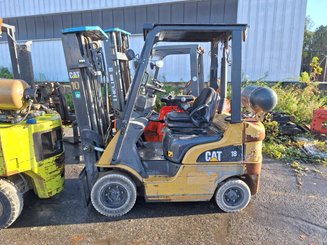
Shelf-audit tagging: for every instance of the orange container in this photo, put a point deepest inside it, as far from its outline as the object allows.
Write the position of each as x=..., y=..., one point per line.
x=319, y=121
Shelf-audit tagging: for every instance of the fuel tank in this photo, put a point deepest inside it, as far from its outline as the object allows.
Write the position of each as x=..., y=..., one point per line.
x=12, y=94
x=259, y=99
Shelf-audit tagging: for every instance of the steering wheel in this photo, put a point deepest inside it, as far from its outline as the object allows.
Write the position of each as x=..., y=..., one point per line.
x=156, y=86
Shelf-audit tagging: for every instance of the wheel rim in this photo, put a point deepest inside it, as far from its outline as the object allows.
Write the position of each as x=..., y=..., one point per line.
x=114, y=195
x=233, y=196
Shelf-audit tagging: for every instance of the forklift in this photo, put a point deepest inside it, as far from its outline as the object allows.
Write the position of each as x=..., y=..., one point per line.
x=205, y=154
x=31, y=149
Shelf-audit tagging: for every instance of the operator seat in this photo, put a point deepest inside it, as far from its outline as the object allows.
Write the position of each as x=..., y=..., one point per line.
x=199, y=115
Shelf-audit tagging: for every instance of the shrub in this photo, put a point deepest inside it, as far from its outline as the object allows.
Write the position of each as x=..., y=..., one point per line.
x=5, y=73
x=299, y=102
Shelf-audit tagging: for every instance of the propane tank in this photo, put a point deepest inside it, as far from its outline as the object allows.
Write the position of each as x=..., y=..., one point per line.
x=12, y=94
x=259, y=99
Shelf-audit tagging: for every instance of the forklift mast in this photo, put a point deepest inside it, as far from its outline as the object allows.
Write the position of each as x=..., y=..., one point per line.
x=85, y=60
x=20, y=55
x=118, y=69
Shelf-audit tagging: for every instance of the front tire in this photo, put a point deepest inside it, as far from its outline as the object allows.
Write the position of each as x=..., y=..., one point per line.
x=233, y=195
x=113, y=194
x=11, y=203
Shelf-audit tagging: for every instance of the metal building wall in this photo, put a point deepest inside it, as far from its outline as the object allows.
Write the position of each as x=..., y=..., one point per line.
x=130, y=19
x=272, y=51
x=47, y=57
x=45, y=31
x=49, y=61
x=17, y=8
x=274, y=46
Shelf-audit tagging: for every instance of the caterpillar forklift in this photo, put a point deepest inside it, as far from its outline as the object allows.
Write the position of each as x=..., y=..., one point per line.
x=31, y=150
x=205, y=154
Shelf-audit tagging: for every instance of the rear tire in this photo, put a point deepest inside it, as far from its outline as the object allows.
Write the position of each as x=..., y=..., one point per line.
x=233, y=195
x=11, y=203
x=113, y=194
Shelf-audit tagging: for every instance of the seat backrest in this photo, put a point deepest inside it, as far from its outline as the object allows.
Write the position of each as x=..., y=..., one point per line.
x=203, y=98
x=204, y=107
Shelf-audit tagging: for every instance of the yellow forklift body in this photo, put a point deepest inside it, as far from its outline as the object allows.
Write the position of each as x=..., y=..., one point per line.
x=22, y=152
x=197, y=181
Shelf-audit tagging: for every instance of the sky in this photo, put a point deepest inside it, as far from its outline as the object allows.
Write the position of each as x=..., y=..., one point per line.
x=317, y=9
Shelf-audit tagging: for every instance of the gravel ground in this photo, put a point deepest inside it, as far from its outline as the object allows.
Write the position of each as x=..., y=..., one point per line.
x=281, y=213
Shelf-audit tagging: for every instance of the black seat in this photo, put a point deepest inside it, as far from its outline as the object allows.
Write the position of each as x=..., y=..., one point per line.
x=199, y=115
x=176, y=144
x=179, y=116
x=172, y=100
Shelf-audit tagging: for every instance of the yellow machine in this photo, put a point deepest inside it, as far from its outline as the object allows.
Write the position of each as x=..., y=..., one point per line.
x=31, y=150
x=205, y=154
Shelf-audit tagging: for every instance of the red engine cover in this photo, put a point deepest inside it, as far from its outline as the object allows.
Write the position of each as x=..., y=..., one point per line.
x=319, y=121
x=153, y=131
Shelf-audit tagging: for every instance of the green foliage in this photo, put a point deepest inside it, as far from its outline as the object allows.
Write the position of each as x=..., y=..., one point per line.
x=316, y=70
x=5, y=73
x=299, y=102
x=69, y=100
x=170, y=89
x=314, y=44
x=274, y=150
x=287, y=149
x=305, y=77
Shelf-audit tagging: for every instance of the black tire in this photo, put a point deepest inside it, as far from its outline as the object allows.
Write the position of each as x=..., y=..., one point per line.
x=233, y=195
x=113, y=194
x=11, y=203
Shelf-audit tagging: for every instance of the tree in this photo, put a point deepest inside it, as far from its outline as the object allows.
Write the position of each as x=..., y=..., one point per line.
x=319, y=39
x=307, y=41
x=316, y=70
x=314, y=45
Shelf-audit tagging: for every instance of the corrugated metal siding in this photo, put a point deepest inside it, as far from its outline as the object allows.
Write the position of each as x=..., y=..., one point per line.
x=16, y=8
x=176, y=67
x=5, y=56
x=49, y=61
x=130, y=19
x=274, y=46
x=47, y=57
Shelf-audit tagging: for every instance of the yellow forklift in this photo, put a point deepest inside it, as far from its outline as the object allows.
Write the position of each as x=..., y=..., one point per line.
x=31, y=148
x=204, y=155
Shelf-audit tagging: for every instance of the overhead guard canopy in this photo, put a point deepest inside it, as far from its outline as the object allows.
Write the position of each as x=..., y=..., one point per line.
x=194, y=32
x=93, y=31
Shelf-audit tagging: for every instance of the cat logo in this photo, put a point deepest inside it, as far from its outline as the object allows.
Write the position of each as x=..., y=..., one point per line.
x=170, y=154
x=73, y=74
x=213, y=156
